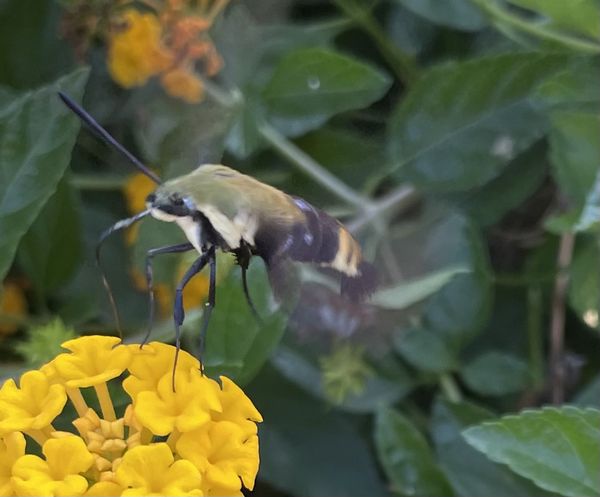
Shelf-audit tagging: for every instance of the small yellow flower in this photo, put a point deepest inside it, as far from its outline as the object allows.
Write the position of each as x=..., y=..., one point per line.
x=152, y=470
x=224, y=453
x=58, y=474
x=183, y=84
x=237, y=408
x=93, y=360
x=12, y=446
x=151, y=363
x=137, y=53
x=32, y=406
x=196, y=291
x=12, y=305
x=104, y=489
x=187, y=408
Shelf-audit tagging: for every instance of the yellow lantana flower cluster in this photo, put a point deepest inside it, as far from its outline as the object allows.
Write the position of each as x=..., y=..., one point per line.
x=197, y=439
x=166, y=42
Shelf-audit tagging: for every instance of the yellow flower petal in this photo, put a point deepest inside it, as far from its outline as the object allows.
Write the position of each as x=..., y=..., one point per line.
x=137, y=187
x=185, y=409
x=152, y=362
x=237, y=407
x=94, y=360
x=12, y=303
x=137, y=53
x=58, y=474
x=12, y=446
x=223, y=453
x=104, y=489
x=33, y=405
x=152, y=470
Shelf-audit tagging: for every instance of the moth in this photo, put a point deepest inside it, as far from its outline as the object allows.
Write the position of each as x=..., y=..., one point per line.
x=219, y=208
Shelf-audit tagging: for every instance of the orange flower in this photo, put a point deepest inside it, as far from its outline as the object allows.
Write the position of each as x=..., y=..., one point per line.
x=137, y=53
x=12, y=304
x=183, y=84
x=167, y=44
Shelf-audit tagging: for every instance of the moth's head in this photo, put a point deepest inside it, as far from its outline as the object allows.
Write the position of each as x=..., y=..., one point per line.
x=167, y=204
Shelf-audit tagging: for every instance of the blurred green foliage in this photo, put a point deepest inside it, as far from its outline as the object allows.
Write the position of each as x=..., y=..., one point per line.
x=459, y=140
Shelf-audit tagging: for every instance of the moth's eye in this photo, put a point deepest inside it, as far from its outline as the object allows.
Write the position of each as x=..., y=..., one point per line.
x=151, y=198
x=176, y=200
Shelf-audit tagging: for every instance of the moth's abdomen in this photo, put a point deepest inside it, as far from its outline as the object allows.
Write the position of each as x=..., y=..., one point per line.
x=321, y=239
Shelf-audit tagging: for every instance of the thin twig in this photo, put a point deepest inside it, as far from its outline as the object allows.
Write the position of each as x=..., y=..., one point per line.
x=557, y=322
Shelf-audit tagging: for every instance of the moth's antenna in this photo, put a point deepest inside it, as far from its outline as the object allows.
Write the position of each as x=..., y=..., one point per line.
x=119, y=225
x=106, y=136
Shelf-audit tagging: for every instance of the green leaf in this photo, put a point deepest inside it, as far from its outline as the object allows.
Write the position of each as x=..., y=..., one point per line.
x=589, y=396
x=462, y=306
x=311, y=85
x=406, y=458
x=37, y=133
x=555, y=447
x=572, y=87
x=179, y=136
x=459, y=14
x=353, y=157
x=496, y=373
x=584, y=288
x=424, y=350
x=582, y=16
x=575, y=152
x=462, y=123
x=37, y=53
x=488, y=204
x=308, y=449
x=51, y=250
x=244, y=137
x=407, y=293
x=468, y=472
x=237, y=345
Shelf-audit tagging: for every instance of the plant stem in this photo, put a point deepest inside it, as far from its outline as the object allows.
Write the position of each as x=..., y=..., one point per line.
x=96, y=183
x=402, y=64
x=557, y=322
x=303, y=161
x=501, y=15
x=450, y=388
x=534, y=333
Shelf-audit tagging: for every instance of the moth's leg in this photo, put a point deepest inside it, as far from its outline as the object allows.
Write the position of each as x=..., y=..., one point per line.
x=170, y=249
x=248, y=299
x=178, y=311
x=210, y=302
x=243, y=256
